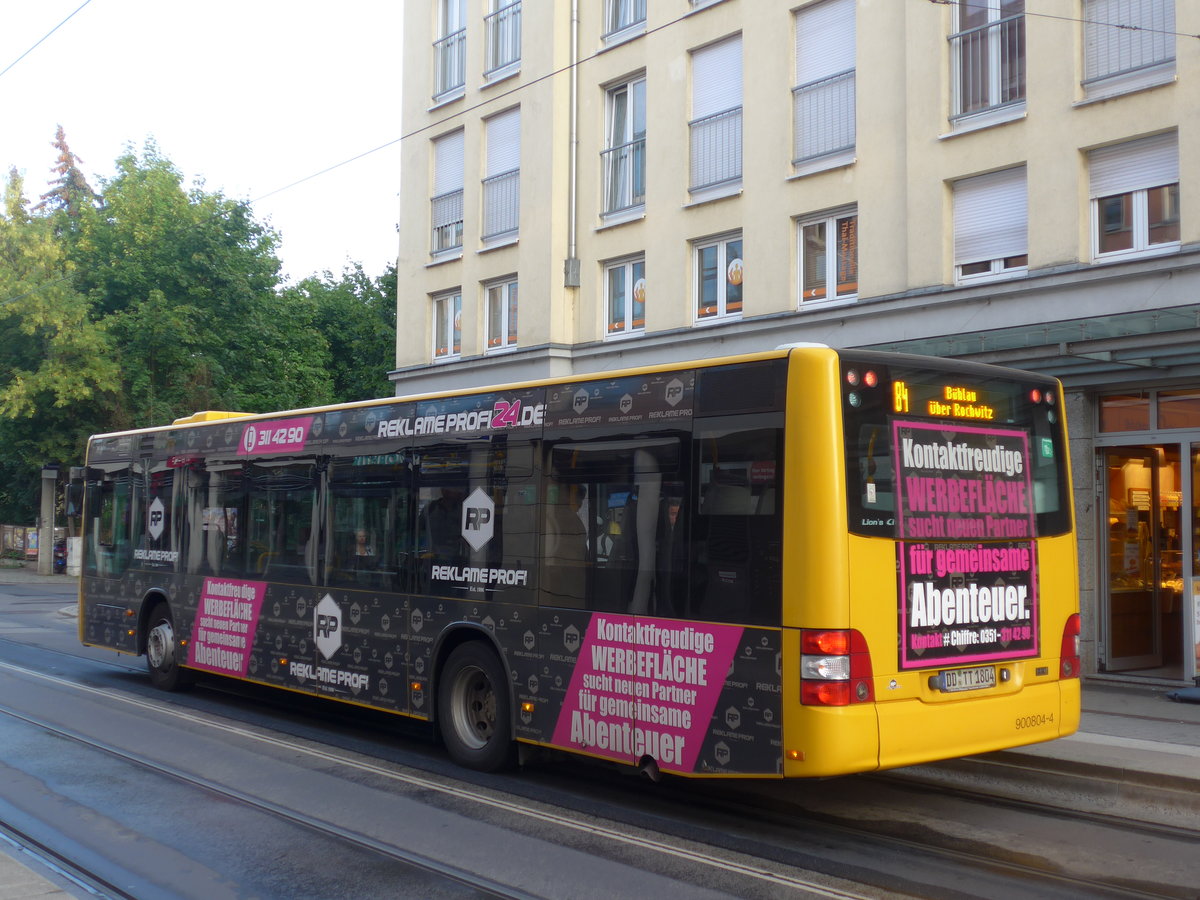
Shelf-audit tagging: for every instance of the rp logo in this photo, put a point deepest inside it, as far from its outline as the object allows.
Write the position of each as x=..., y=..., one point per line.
x=674, y=391
x=327, y=626
x=157, y=518
x=478, y=513
x=580, y=401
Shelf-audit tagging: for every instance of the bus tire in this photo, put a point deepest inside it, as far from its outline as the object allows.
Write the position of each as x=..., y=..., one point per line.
x=163, y=650
x=475, y=709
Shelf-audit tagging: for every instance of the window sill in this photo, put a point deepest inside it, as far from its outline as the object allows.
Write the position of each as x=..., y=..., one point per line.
x=441, y=360
x=1121, y=256
x=500, y=351
x=624, y=36
x=502, y=74
x=717, y=320
x=437, y=259
x=621, y=217
x=497, y=243
x=705, y=195
x=449, y=97
x=814, y=305
x=1128, y=83
x=823, y=164
x=987, y=119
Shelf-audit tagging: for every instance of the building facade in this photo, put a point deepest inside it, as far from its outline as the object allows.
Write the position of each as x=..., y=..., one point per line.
x=590, y=184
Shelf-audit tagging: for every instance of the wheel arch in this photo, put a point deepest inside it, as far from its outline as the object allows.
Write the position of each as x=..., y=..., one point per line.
x=453, y=636
x=152, y=598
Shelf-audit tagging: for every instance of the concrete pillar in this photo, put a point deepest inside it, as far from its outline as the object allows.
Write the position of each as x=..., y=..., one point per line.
x=46, y=522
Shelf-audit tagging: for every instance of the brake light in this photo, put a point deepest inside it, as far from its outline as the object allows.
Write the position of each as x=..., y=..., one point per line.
x=835, y=668
x=1068, y=655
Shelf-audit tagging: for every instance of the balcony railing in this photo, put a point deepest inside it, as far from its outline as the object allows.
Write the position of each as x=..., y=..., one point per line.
x=824, y=116
x=989, y=65
x=624, y=175
x=501, y=204
x=716, y=147
x=503, y=29
x=450, y=61
x=447, y=219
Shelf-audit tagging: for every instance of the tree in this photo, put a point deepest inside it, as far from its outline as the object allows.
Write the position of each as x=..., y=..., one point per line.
x=70, y=193
x=357, y=316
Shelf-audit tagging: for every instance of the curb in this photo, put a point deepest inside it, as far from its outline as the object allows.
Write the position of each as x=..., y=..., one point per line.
x=1149, y=797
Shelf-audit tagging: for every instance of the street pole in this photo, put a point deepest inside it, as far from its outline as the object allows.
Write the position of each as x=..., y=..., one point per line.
x=46, y=522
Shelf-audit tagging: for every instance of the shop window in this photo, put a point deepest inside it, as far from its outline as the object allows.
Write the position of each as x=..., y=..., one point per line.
x=1179, y=409
x=1125, y=412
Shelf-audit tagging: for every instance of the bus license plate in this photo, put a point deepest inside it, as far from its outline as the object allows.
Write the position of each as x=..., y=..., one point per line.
x=969, y=679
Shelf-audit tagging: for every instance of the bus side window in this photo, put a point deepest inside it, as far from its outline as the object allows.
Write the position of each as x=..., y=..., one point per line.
x=736, y=549
x=368, y=539
x=110, y=507
x=613, y=528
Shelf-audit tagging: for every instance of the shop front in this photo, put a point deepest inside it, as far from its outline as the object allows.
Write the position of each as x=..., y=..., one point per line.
x=1148, y=548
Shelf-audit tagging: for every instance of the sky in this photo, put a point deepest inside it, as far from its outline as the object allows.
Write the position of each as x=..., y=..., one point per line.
x=248, y=96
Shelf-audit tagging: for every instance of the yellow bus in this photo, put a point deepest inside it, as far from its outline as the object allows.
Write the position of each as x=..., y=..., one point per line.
x=802, y=562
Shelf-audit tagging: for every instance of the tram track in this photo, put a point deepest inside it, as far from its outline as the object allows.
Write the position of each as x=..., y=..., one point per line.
x=729, y=865
x=29, y=849
x=752, y=855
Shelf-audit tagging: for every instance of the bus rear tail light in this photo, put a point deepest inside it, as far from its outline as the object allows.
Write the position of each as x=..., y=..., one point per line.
x=1068, y=656
x=835, y=668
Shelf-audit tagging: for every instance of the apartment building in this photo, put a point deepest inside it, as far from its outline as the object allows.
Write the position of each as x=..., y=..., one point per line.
x=590, y=184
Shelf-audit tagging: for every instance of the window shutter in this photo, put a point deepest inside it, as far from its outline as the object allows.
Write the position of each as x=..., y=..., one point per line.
x=991, y=215
x=1145, y=163
x=448, y=163
x=504, y=142
x=1125, y=35
x=717, y=78
x=824, y=40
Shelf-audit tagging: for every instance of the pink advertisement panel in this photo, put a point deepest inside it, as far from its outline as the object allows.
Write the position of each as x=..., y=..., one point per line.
x=646, y=687
x=965, y=603
x=223, y=633
x=276, y=436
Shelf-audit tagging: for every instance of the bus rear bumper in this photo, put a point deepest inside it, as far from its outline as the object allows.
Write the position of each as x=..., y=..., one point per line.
x=912, y=732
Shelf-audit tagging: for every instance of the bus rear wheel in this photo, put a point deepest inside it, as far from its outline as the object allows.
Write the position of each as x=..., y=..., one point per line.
x=163, y=651
x=475, y=710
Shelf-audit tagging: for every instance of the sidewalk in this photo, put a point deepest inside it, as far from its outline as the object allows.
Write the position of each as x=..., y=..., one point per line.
x=28, y=574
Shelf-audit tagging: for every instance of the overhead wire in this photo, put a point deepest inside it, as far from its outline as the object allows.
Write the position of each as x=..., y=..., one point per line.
x=43, y=38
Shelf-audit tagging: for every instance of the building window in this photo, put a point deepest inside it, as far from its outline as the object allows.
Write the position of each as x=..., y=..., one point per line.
x=716, y=126
x=503, y=30
x=502, y=186
x=623, y=19
x=991, y=226
x=825, y=81
x=625, y=287
x=502, y=315
x=829, y=257
x=720, y=271
x=449, y=50
x=625, y=159
x=447, y=325
x=1134, y=190
x=1127, y=45
x=447, y=201
x=988, y=54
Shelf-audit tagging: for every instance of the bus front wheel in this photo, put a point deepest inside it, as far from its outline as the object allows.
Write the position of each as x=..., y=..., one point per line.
x=163, y=652
x=474, y=709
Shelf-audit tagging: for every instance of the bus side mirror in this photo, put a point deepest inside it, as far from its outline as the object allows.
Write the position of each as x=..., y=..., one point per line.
x=74, y=502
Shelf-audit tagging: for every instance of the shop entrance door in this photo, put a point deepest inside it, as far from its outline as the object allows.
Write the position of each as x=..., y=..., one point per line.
x=1143, y=502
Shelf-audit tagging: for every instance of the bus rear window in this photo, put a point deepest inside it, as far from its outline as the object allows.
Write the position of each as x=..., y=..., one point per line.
x=973, y=448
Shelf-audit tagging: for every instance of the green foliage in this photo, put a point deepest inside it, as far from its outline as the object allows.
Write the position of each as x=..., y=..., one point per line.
x=357, y=317
x=149, y=301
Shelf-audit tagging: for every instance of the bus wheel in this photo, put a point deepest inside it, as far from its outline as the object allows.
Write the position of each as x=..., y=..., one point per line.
x=162, y=652
x=474, y=710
